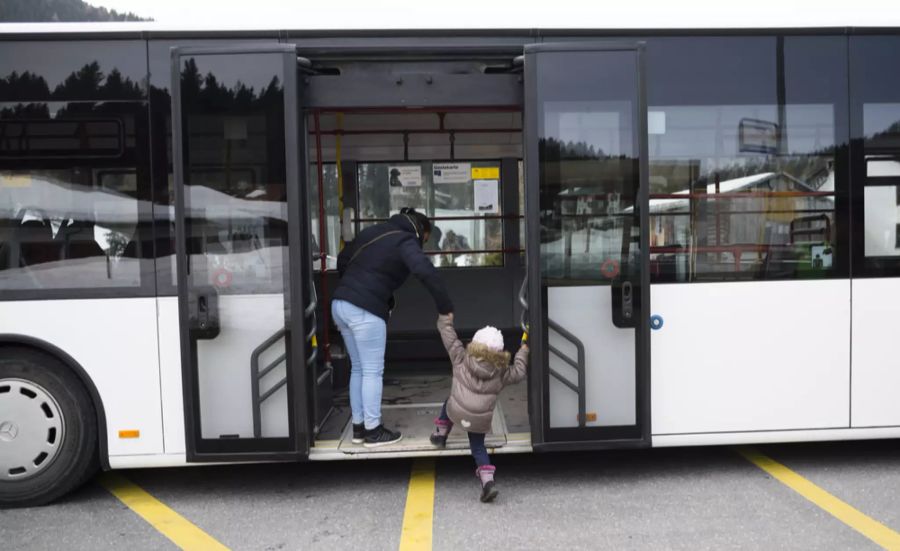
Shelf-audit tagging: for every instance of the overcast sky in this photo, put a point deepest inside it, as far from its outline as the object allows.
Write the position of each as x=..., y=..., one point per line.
x=336, y=14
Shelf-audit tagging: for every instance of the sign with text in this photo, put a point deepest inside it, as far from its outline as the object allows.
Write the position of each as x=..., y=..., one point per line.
x=756, y=136
x=451, y=173
x=487, y=196
x=405, y=176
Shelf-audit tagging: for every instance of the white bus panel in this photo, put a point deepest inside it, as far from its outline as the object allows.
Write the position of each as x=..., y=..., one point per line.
x=751, y=356
x=170, y=375
x=114, y=341
x=876, y=353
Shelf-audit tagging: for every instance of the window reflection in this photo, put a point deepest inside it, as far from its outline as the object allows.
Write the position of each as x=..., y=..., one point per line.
x=881, y=196
x=588, y=186
x=741, y=191
x=84, y=70
x=745, y=158
x=235, y=193
x=71, y=192
x=67, y=229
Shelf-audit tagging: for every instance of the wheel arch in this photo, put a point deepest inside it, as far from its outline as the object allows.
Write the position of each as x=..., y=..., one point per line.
x=10, y=339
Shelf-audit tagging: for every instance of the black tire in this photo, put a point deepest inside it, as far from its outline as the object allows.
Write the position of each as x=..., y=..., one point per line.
x=77, y=456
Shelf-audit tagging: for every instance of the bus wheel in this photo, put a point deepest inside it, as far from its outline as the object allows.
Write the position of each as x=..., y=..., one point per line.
x=48, y=429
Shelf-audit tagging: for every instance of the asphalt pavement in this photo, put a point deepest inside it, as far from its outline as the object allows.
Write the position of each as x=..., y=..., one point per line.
x=686, y=498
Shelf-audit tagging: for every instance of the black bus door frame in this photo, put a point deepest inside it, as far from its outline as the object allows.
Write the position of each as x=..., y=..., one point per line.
x=533, y=296
x=300, y=295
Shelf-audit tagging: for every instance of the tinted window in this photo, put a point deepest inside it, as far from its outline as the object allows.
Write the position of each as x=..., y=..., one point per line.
x=235, y=190
x=745, y=145
x=72, y=70
x=160, y=77
x=875, y=100
x=73, y=189
x=588, y=170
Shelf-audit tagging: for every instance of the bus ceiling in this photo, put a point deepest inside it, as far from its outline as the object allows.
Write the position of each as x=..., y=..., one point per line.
x=391, y=77
x=406, y=53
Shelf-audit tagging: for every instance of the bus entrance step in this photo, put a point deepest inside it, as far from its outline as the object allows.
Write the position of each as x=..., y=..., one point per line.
x=416, y=421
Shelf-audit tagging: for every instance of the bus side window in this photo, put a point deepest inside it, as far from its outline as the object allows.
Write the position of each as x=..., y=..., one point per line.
x=69, y=199
x=745, y=176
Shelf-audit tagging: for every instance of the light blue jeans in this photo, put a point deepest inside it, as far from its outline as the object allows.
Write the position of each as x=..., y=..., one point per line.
x=365, y=336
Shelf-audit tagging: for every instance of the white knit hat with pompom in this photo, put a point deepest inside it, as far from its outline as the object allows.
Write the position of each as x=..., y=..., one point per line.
x=489, y=336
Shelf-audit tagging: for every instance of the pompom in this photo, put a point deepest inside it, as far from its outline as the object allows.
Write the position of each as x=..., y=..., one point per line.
x=490, y=337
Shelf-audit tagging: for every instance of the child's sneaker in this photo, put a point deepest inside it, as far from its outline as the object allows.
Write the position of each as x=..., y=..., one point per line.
x=485, y=474
x=359, y=433
x=441, y=432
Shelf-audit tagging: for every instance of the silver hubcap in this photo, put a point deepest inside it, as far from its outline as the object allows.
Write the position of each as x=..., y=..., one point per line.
x=31, y=429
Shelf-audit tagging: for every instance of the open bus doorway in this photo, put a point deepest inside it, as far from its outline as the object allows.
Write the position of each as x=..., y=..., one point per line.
x=461, y=166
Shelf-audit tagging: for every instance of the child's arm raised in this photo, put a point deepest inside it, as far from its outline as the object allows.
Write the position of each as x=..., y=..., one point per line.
x=519, y=368
x=455, y=349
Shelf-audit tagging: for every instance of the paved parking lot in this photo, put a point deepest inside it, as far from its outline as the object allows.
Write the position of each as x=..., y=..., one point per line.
x=691, y=498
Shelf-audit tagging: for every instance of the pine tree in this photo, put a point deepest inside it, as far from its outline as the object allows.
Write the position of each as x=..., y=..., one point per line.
x=21, y=11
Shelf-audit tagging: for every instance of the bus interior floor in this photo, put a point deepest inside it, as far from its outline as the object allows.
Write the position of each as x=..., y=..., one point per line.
x=410, y=404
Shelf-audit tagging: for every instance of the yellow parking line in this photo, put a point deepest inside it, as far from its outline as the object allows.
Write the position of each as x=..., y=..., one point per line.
x=419, y=513
x=865, y=525
x=181, y=531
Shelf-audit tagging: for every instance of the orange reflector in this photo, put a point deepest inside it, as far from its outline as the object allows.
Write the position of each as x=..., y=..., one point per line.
x=129, y=434
x=590, y=416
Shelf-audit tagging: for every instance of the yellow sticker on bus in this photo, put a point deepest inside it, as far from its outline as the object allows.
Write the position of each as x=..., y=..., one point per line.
x=16, y=180
x=485, y=172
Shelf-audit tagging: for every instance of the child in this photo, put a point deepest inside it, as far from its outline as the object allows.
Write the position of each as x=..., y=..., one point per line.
x=480, y=371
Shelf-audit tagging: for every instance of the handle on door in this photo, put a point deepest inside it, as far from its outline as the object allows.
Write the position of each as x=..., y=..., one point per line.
x=625, y=303
x=203, y=314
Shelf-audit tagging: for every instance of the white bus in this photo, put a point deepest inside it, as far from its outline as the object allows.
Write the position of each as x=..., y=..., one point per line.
x=701, y=227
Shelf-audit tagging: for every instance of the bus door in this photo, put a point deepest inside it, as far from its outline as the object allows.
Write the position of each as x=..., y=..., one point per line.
x=587, y=245
x=246, y=304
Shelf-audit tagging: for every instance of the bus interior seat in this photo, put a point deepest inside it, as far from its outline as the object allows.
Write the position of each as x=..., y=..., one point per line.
x=36, y=243
x=780, y=263
x=77, y=240
x=133, y=247
x=8, y=228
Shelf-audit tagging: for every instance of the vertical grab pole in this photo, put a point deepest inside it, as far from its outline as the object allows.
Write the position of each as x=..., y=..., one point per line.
x=523, y=301
x=326, y=344
x=340, y=179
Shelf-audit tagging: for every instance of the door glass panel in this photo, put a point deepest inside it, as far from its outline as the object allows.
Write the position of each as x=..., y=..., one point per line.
x=587, y=191
x=881, y=194
x=235, y=200
x=589, y=235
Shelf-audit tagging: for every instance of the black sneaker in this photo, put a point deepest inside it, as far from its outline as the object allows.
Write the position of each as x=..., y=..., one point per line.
x=380, y=436
x=359, y=433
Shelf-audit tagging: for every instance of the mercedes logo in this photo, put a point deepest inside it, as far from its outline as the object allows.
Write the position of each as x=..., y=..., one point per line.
x=8, y=431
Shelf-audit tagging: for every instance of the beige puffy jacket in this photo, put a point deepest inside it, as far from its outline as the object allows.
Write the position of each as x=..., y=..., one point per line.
x=479, y=374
